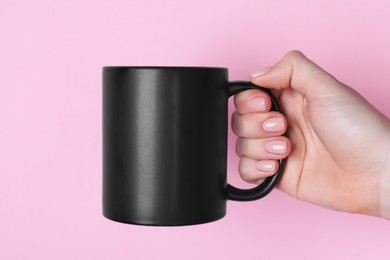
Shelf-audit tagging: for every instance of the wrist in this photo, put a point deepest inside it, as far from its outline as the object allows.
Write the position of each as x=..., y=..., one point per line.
x=384, y=194
x=384, y=184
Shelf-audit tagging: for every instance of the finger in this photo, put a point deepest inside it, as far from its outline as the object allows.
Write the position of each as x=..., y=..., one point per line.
x=263, y=149
x=259, y=125
x=298, y=72
x=252, y=101
x=252, y=171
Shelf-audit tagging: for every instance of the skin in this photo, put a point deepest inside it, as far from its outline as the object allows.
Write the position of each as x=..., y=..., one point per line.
x=337, y=146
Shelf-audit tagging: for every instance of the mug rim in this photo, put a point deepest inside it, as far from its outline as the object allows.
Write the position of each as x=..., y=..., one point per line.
x=165, y=67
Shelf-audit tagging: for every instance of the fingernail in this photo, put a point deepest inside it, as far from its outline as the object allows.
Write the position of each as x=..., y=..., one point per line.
x=266, y=165
x=276, y=146
x=274, y=124
x=257, y=104
x=260, y=72
x=260, y=181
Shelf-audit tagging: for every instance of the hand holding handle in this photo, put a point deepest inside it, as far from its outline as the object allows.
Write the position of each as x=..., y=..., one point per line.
x=269, y=183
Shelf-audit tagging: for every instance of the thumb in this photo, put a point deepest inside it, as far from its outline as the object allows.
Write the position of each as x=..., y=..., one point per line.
x=296, y=71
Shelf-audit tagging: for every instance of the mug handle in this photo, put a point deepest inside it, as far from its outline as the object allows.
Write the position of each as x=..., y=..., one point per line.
x=269, y=183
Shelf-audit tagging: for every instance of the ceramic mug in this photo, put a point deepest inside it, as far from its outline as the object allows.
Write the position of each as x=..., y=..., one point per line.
x=165, y=145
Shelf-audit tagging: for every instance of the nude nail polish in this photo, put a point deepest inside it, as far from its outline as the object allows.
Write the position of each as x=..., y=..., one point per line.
x=257, y=104
x=274, y=124
x=266, y=165
x=276, y=146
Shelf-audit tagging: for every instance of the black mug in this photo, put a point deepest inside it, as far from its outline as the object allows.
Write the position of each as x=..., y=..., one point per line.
x=165, y=145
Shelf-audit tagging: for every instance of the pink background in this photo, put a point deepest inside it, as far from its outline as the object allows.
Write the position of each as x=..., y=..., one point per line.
x=51, y=54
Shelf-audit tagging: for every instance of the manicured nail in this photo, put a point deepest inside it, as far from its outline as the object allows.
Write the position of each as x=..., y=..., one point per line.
x=274, y=124
x=260, y=181
x=276, y=146
x=266, y=165
x=260, y=72
x=257, y=104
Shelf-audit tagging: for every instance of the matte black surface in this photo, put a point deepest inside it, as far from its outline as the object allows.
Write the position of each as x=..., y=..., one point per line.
x=165, y=145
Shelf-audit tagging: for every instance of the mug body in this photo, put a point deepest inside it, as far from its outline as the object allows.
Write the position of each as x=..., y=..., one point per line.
x=164, y=144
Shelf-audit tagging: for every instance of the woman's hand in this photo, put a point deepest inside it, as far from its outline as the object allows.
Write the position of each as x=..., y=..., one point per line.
x=338, y=145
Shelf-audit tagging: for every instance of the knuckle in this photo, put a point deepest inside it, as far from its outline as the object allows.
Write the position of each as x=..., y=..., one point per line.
x=245, y=170
x=240, y=125
x=238, y=100
x=294, y=57
x=250, y=148
x=236, y=124
x=239, y=147
x=294, y=54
